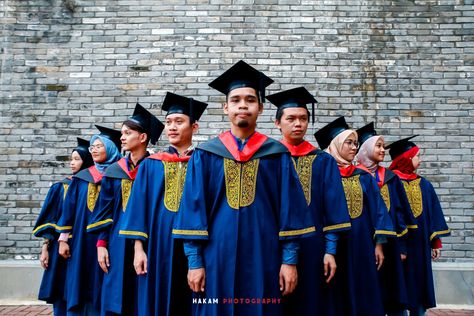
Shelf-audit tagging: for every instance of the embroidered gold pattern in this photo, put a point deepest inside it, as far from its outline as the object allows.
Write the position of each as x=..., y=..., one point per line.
x=241, y=182
x=175, y=174
x=126, y=189
x=304, y=168
x=354, y=195
x=65, y=187
x=385, y=195
x=414, y=196
x=92, y=195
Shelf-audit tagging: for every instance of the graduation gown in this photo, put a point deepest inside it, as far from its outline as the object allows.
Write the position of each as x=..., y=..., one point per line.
x=429, y=217
x=150, y=214
x=356, y=289
x=52, y=283
x=322, y=186
x=118, y=288
x=241, y=204
x=391, y=274
x=84, y=276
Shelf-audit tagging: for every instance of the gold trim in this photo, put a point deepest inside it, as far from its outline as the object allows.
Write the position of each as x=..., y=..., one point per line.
x=126, y=189
x=241, y=182
x=133, y=233
x=303, y=231
x=403, y=233
x=190, y=232
x=385, y=232
x=337, y=226
x=42, y=226
x=442, y=232
x=412, y=226
x=105, y=221
x=65, y=188
x=414, y=196
x=354, y=195
x=175, y=174
x=63, y=227
x=304, y=169
x=385, y=196
x=93, y=191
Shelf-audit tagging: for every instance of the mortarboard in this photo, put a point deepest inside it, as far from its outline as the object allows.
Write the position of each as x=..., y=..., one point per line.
x=112, y=134
x=325, y=135
x=293, y=98
x=175, y=103
x=150, y=124
x=242, y=75
x=365, y=132
x=400, y=146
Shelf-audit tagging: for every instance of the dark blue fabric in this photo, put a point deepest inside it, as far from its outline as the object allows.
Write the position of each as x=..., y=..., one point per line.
x=164, y=289
x=419, y=275
x=84, y=276
x=242, y=251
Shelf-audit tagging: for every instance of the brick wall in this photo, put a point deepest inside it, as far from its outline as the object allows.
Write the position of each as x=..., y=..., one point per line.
x=67, y=64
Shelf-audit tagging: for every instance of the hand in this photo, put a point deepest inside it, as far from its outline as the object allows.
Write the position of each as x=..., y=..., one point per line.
x=379, y=258
x=329, y=267
x=44, y=258
x=64, y=249
x=140, y=260
x=435, y=254
x=288, y=278
x=403, y=256
x=103, y=258
x=197, y=279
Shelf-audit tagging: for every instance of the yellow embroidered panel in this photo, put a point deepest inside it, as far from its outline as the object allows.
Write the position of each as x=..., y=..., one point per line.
x=414, y=196
x=92, y=195
x=240, y=181
x=304, y=168
x=385, y=195
x=354, y=195
x=175, y=174
x=65, y=187
x=126, y=189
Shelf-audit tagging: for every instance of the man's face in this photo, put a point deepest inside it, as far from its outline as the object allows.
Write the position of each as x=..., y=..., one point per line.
x=293, y=124
x=131, y=139
x=242, y=107
x=179, y=129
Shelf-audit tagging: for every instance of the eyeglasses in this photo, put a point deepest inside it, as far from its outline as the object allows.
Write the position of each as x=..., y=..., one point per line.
x=351, y=143
x=92, y=147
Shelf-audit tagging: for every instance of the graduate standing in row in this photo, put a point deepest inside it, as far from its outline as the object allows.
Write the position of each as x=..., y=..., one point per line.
x=424, y=243
x=52, y=284
x=115, y=254
x=84, y=276
x=242, y=208
x=322, y=186
x=392, y=278
x=356, y=289
x=151, y=211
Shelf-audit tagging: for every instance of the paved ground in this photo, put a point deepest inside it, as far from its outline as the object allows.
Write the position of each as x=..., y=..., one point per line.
x=42, y=310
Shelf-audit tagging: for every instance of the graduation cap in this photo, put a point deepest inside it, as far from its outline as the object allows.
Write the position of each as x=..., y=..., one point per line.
x=175, y=103
x=82, y=149
x=150, y=124
x=293, y=98
x=242, y=75
x=400, y=146
x=365, y=132
x=326, y=134
x=112, y=134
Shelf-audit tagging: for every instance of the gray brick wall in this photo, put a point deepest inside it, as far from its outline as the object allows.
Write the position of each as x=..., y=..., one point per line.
x=68, y=64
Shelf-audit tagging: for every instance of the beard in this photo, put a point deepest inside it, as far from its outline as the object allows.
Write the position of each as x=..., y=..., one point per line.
x=243, y=124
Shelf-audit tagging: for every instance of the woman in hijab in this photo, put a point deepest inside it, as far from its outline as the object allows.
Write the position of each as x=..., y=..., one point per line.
x=52, y=285
x=392, y=278
x=356, y=287
x=84, y=276
x=424, y=243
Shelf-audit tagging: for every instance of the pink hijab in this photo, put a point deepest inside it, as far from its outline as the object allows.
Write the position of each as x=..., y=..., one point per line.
x=366, y=156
